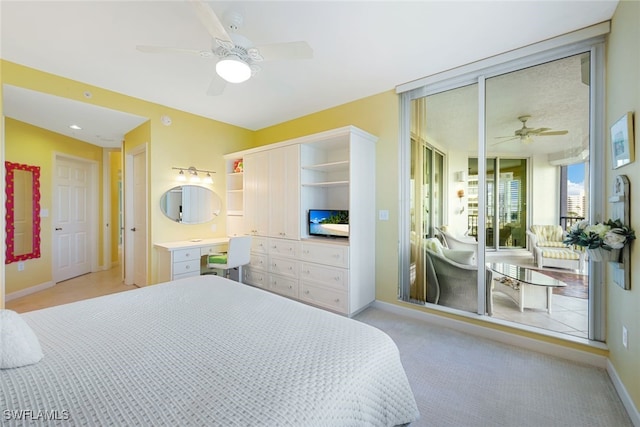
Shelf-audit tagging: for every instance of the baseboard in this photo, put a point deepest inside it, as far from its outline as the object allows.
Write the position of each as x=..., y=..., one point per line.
x=548, y=348
x=28, y=291
x=633, y=412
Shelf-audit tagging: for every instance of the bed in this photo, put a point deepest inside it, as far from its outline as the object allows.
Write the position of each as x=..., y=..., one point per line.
x=208, y=351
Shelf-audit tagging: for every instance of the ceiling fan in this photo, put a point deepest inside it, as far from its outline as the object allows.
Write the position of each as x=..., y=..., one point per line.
x=525, y=134
x=238, y=57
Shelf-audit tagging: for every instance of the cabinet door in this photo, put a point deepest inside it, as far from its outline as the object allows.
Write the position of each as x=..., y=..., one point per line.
x=256, y=193
x=284, y=191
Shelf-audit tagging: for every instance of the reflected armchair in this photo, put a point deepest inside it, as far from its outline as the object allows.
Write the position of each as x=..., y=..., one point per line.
x=464, y=243
x=451, y=282
x=545, y=242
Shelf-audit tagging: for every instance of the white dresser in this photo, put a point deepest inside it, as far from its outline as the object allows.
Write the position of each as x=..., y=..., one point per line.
x=181, y=259
x=313, y=271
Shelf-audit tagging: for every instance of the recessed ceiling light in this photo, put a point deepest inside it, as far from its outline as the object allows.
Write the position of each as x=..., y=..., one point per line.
x=75, y=127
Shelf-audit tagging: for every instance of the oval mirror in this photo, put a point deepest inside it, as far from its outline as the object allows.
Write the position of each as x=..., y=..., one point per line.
x=190, y=204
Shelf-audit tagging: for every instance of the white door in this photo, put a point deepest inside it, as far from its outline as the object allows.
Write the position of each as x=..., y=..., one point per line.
x=71, y=221
x=136, y=219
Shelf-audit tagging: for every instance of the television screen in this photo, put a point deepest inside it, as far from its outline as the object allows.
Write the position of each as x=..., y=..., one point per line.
x=328, y=223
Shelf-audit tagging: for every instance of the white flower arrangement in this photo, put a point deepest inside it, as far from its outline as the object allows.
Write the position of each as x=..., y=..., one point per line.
x=608, y=235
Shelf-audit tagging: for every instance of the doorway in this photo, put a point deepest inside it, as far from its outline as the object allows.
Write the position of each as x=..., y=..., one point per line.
x=75, y=212
x=135, y=217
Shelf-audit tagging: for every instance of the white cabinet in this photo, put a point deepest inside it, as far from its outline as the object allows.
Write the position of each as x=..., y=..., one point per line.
x=284, y=192
x=256, y=193
x=333, y=170
x=271, y=192
x=177, y=260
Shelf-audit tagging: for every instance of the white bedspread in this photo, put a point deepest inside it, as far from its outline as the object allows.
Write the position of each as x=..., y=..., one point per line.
x=206, y=351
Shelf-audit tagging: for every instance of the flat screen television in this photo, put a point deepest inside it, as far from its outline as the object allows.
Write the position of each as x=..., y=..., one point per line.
x=328, y=222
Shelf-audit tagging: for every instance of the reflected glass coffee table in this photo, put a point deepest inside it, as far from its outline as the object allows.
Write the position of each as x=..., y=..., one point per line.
x=526, y=287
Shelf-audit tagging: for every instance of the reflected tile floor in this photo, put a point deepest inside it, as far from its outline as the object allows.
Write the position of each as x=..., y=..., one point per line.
x=569, y=315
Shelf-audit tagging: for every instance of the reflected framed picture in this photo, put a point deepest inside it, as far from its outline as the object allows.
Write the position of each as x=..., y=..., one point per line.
x=622, y=150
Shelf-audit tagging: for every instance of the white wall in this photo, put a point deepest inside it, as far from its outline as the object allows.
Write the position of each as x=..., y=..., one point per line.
x=544, y=187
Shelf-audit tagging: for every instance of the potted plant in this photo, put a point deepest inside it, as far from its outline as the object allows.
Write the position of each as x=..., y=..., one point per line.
x=602, y=241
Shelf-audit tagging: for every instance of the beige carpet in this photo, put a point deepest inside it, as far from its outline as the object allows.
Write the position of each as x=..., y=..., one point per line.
x=461, y=380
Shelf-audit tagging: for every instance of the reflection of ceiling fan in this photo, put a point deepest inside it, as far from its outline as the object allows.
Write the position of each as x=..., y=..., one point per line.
x=237, y=56
x=525, y=134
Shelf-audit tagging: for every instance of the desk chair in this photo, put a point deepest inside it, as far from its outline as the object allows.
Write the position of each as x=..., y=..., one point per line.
x=237, y=255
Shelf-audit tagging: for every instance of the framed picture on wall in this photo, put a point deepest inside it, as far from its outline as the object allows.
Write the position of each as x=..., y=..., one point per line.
x=622, y=150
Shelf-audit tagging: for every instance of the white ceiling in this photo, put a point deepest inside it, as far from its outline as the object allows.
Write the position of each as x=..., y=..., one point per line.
x=361, y=48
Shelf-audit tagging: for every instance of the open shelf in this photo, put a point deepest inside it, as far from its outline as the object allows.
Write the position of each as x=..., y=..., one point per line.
x=328, y=167
x=326, y=184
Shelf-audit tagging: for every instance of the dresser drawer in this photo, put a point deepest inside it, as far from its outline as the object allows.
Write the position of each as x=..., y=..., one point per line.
x=284, y=285
x=337, y=255
x=191, y=266
x=255, y=277
x=186, y=255
x=259, y=261
x=259, y=244
x=284, y=247
x=284, y=266
x=324, y=297
x=328, y=276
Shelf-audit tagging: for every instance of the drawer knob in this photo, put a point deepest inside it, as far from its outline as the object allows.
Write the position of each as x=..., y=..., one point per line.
x=306, y=292
x=290, y=286
x=336, y=278
x=337, y=300
x=188, y=267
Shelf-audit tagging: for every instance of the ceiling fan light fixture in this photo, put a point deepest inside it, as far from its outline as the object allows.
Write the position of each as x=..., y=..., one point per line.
x=233, y=69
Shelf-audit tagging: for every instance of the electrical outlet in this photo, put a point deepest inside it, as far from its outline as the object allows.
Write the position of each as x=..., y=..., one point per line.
x=20, y=266
x=625, y=337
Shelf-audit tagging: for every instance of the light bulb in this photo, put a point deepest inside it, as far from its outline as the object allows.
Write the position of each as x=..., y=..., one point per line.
x=233, y=69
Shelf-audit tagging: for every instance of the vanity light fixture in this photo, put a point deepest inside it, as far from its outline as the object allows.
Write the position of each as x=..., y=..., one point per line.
x=193, y=173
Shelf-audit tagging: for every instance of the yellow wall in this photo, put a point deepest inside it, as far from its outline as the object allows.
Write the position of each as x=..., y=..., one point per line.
x=35, y=146
x=623, y=95
x=190, y=141
x=193, y=140
x=378, y=115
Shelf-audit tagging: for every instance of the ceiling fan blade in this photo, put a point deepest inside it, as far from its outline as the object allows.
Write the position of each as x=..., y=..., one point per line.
x=554, y=132
x=217, y=85
x=537, y=131
x=510, y=138
x=161, y=49
x=291, y=50
x=210, y=20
